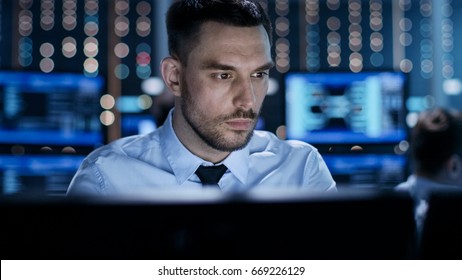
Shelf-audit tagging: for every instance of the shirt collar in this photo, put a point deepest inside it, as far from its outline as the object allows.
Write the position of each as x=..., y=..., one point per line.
x=181, y=160
x=238, y=163
x=184, y=163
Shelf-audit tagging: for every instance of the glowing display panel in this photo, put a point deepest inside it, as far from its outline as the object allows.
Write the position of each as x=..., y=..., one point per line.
x=50, y=109
x=342, y=108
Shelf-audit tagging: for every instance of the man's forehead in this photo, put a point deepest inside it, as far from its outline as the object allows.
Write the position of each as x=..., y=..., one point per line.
x=223, y=44
x=232, y=39
x=215, y=32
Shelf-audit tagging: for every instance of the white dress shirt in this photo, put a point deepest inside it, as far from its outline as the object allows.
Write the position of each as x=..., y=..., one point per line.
x=159, y=161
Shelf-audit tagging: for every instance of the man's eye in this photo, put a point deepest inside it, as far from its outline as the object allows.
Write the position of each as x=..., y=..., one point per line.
x=223, y=76
x=259, y=75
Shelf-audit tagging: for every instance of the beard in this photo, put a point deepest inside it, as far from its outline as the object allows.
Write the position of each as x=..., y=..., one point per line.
x=210, y=129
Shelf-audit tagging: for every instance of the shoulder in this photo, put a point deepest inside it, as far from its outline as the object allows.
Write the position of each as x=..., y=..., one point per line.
x=298, y=163
x=266, y=145
x=267, y=141
x=130, y=146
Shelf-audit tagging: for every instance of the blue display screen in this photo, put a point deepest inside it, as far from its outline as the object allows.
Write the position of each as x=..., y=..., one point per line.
x=37, y=174
x=50, y=109
x=346, y=108
x=374, y=170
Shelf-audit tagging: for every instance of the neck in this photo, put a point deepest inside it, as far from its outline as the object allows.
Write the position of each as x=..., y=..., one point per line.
x=193, y=142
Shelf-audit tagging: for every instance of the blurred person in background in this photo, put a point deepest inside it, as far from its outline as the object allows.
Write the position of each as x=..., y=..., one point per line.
x=436, y=156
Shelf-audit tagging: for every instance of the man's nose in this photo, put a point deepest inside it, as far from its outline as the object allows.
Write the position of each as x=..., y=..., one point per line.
x=245, y=94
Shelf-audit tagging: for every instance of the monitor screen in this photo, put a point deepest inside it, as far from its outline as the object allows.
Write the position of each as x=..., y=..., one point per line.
x=39, y=175
x=50, y=109
x=368, y=170
x=345, y=108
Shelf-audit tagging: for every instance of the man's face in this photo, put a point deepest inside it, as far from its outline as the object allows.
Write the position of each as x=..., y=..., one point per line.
x=224, y=84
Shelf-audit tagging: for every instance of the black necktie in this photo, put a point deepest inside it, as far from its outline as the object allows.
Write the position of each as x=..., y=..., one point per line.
x=210, y=175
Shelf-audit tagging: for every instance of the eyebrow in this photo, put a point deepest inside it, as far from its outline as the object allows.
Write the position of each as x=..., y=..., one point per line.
x=221, y=66
x=266, y=66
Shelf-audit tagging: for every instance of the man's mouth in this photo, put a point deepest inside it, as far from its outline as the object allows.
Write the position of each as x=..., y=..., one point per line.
x=240, y=124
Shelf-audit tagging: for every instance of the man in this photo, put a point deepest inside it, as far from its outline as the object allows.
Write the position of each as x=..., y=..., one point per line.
x=218, y=73
x=436, y=153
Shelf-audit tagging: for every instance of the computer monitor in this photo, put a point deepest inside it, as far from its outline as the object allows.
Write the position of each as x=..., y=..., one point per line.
x=253, y=225
x=346, y=108
x=54, y=109
x=356, y=120
x=37, y=175
x=367, y=170
x=441, y=236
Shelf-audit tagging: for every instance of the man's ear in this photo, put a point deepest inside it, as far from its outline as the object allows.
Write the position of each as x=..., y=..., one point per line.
x=171, y=71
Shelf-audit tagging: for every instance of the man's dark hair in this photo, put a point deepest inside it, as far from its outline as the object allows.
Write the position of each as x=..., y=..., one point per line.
x=184, y=20
x=434, y=139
